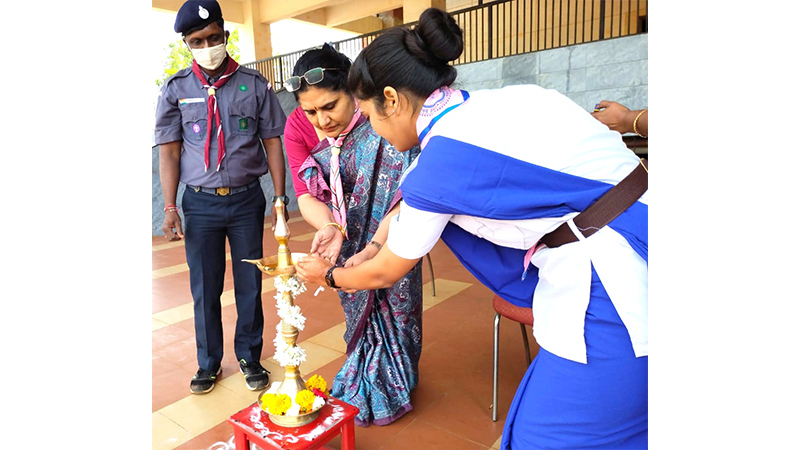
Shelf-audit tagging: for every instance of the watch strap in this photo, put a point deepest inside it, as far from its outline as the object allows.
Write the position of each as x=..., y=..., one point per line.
x=329, y=279
x=285, y=199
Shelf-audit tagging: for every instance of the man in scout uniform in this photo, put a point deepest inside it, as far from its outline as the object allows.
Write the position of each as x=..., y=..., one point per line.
x=211, y=121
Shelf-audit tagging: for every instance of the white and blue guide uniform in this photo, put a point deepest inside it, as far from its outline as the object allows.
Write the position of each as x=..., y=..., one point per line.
x=496, y=173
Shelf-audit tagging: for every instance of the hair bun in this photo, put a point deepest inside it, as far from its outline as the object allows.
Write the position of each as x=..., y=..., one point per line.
x=441, y=35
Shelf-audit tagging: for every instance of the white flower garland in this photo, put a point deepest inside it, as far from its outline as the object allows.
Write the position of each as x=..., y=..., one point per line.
x=291, y=314
x=292, y=284
x=284, y=354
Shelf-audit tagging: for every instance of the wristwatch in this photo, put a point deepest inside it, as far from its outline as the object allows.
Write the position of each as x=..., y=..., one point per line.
x=284, y=198
x=329, y=279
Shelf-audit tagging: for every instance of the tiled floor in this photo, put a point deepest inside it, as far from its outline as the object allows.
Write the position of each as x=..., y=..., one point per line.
x=451, y=403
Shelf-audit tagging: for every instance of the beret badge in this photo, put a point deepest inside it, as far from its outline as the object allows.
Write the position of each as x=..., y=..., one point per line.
x=203, y=13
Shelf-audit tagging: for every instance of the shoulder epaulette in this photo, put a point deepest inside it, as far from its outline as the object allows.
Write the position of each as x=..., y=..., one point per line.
x=183, y=73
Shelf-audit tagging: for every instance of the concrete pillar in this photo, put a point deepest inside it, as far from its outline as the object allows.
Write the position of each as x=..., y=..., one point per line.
x=255, y=38
x=413, y=8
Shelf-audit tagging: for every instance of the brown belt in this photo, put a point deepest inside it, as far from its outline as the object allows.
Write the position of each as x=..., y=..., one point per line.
x=604, y=210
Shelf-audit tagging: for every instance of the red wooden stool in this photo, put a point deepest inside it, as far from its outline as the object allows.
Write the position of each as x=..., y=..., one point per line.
x=252, y=424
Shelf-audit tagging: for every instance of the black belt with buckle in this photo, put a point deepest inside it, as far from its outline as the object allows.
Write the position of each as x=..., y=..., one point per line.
x=225, y=190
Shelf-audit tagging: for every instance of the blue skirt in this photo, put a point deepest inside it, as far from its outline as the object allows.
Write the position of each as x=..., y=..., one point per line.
x=563, y=404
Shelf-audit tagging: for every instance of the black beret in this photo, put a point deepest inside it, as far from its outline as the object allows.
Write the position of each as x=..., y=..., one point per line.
x=195, y=15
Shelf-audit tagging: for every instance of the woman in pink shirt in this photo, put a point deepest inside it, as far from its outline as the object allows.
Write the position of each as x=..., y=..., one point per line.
x=299, y=138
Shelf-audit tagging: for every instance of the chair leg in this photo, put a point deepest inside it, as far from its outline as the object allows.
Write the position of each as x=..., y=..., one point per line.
x=495, y=361
x=525, y=342
x=433, y=280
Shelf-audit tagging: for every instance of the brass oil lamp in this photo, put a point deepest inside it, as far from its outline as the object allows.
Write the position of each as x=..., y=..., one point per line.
x=283, y=265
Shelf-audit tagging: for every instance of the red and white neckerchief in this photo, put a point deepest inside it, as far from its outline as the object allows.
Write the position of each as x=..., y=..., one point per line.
x=337, y=192
x=213, y=111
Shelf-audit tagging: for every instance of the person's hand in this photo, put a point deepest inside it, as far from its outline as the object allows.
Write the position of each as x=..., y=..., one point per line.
x=368, y=253
x=614, y=116
x=275, y=216
x=327, y=243
x=172, y=221
x=312, y=269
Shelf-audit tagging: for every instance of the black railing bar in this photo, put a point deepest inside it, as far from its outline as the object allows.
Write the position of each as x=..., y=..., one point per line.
x=515, y=23
x=540, y=29
x=544, y=44
x=561, y=32
x=552, y=24
x=502, y=32
x=569, y=16
x=583, y=28
x=560, y=22
x=489, y=32
x=524, y=29
x=602, y=20
x=525, y=35
x=535, y=27
x=472, y=29
x=630, y=15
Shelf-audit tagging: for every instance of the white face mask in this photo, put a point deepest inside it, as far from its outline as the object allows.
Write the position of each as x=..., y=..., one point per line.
x=209, y=58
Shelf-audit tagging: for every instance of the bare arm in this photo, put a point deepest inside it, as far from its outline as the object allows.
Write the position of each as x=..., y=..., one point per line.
x=382, y=271
x=277, y=170
x=169, y=167
x=315, y=213
x=620, y=119
x=381, y=234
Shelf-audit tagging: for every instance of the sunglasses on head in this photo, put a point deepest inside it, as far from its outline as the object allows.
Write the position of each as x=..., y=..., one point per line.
x=313, y=76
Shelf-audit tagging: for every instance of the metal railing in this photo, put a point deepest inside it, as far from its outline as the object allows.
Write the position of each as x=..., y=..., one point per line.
x=505, y=27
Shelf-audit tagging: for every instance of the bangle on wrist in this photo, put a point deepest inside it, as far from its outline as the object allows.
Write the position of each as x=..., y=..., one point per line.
x=341, y=228
x=377, y=245
x=170, y=208
x=636, y=120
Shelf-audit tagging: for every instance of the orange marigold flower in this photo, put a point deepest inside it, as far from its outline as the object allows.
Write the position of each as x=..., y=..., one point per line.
x=317, y=382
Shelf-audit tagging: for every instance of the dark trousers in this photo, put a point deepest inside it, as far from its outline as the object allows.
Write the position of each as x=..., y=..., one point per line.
x=209, y=219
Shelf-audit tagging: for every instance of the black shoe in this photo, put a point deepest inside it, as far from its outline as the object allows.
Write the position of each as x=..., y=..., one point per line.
x=203, y=381
x=256, y=377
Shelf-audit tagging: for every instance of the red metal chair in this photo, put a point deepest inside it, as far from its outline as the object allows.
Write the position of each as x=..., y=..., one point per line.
x=524, y=316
